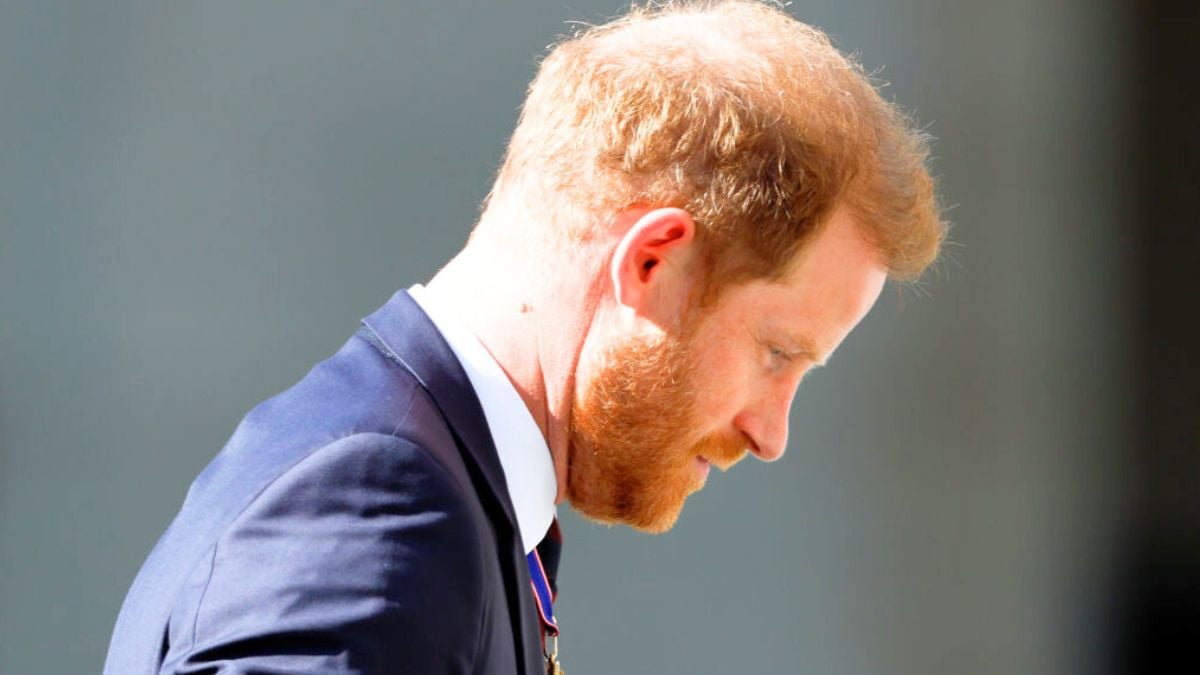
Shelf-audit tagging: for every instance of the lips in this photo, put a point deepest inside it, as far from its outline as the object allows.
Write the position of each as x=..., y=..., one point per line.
x=702, y=468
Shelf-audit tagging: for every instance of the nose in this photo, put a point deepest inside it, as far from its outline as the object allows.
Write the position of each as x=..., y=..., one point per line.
x=765, y=423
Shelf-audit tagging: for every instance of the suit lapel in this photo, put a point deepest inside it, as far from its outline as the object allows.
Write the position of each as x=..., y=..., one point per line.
x=405, y=334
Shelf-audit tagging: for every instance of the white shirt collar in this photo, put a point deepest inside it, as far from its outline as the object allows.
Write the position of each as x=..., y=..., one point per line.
x=524, y=455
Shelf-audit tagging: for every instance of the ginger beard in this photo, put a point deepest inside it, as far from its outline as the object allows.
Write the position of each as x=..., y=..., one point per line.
x=634, y=439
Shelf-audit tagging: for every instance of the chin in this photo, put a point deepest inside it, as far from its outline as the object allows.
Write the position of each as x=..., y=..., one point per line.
x=643, y=490
x=651, y=516
x=658, y=524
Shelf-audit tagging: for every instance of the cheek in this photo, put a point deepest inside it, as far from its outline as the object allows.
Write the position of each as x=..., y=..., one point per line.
x=722, y=378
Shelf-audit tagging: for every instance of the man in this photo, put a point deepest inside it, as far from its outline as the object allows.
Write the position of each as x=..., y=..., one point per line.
x=697, y=206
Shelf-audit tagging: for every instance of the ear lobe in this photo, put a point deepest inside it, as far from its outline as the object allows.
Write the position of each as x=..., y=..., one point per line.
x=650, y=259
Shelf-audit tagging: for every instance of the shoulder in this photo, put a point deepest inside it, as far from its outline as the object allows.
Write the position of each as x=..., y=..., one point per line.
x=352, y=410
x=355, y=548
x=359, y=474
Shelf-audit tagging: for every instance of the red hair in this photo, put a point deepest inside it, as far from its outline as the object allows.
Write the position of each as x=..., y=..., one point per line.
x=748, y=119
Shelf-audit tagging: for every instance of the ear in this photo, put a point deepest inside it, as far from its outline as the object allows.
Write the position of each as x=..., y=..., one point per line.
x=650, y=264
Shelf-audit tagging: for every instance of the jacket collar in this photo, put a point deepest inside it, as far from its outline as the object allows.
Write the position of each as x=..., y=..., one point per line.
x=405, y=334
x=519, y=442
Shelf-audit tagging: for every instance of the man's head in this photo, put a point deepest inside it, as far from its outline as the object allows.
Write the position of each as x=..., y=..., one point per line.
x=679, y=379
x=748, y=192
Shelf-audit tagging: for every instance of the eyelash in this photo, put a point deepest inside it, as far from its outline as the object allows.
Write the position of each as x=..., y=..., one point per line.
x=779, y=354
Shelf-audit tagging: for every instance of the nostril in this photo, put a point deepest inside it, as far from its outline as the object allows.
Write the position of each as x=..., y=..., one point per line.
x=752, y=446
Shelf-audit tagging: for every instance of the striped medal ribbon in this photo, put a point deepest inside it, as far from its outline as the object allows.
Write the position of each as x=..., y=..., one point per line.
x=545, y=604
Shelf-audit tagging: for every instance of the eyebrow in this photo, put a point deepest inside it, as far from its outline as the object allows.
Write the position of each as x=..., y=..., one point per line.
x=802, y=345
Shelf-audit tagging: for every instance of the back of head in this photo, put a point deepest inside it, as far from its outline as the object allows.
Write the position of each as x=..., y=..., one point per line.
x=748, y=119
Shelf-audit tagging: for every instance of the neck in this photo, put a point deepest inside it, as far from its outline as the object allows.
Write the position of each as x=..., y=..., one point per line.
x=532, y=315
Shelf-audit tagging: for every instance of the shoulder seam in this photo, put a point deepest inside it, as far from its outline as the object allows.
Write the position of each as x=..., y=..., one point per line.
x=368, y=333
x=212, y=566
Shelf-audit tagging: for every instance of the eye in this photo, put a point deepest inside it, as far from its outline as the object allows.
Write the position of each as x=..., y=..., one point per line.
x=779, y=357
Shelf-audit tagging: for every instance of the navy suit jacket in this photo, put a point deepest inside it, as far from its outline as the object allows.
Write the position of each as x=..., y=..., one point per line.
x=358, y=522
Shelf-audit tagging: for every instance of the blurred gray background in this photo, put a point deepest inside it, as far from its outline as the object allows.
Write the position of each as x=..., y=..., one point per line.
x=199, y=200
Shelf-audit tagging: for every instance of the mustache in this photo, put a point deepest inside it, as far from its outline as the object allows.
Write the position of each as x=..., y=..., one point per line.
x=723, y=451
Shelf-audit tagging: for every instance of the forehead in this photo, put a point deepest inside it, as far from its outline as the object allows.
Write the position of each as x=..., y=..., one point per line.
x=826, y=291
